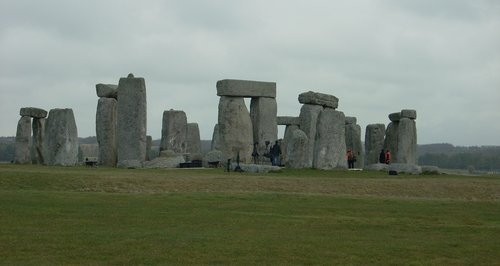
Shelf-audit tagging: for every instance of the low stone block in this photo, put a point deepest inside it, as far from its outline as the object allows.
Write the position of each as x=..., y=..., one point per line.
x=256, y=168
x=33, y=112
x=408, y=113
x=316, y=98
x=376, y=167
x=288, y=120
x=165, y=162
x=405, y=168
x=107, y=90
x=246, y=88
x=395, y=117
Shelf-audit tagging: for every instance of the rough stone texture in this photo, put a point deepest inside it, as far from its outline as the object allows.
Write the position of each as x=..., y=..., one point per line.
x=256, y=168
x=288, y=120
x=407, y=142
x=90, y=151
x=33, y=112
x=132, y=122
x=297, y=148
x=395, y=117
x=215, y=137
x=130, y=164
x=430, y=169
x=263, y=114
x=61, y=138
x=350, y=120
x=391, y=139
x=105, y=125
x=405, y=168
x=23, y=136
x=212, y=156
x=329, y=145
x=316, y=98
x=353, y=141
x=174, y=131
x=168, y=153
x=149, y=144
x=235, y=129
x=308, y=120
x=246, y=88
x=376, y=167
x=193, y=138
x=165, y=162
x=107, y=90
x=408, y=113
x=374, y=142
x=38, y=139
x=286, y=138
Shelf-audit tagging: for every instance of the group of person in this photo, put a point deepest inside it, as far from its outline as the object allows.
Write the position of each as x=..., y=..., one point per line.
x=384, y=157
x=274, y=153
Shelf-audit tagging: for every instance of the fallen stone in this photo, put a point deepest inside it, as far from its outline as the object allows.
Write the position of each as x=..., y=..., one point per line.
x=329, y=145
x=288, y=120
x=405, y=168
x=246, y=88
x=408, y=113
x=165, y=162
x=130, y=164
x=22, y=153
x=61, y=138
x=256, y=168
x=316, y=98
x=33, y=112
x=107, y=90
x=376, y=167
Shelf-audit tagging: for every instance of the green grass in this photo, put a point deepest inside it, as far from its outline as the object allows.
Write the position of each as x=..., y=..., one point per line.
x=52, y=215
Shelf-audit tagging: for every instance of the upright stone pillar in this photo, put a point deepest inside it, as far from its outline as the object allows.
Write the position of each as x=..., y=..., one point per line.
x=374, y=142
x=23, y=136
x=132, y=122
x=215, y=138
x=330, y=147
x=106, y=123
x=353, y=141
x=407, y=138
x=173, y=132
x=193, y=138
x=38, y=139
x=61, y=138
x=263, y=112
x=235, y=129
x=149, y=144
x=297, y=148
x=308, y=121
x=286, y=138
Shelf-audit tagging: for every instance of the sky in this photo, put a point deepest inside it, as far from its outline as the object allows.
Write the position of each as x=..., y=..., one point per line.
x=441, y=58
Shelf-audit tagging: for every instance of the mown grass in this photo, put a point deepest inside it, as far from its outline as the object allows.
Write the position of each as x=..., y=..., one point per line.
x=52, y=215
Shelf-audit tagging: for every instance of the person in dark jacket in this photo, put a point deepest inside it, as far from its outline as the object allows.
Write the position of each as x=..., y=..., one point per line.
x=275, y=154
x=381, y=157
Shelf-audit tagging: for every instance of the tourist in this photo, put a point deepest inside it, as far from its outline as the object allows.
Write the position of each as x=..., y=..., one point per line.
x=350, y=159
x=388, y=157
x=275, y=154
x=381, y=157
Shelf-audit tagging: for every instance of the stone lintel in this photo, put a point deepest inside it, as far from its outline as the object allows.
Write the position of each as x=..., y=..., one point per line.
x=107, y=90
x=350, y=120
x=409, y=113
x=33, y=112
x=246, y=88
x=395, y=117
x=288, y=120
x=316, y=98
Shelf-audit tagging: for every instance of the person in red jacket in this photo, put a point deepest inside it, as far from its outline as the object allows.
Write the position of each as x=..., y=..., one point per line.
x=388, y=157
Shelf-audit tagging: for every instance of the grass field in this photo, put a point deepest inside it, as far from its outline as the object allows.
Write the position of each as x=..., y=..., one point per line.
x=57, y=215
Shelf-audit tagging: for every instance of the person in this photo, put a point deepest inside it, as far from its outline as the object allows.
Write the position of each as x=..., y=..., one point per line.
x=255, y=154
x=388, y=157
x=350, y=159
x=381, y=157
x=275, y=154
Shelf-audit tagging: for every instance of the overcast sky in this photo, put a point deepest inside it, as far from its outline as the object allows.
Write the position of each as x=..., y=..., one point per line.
x=440, y=57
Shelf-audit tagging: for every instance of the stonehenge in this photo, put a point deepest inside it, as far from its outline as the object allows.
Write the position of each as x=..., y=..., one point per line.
x=374, y=142
x=401, y=137
x=174, y=131
x=23, y=136
x=106, y=121
x=30, y=149
x=61, y=138
x=353, y=140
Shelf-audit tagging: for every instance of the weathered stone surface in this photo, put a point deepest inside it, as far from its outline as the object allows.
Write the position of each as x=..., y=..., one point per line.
x=286, y=138
x=308, y=120
x=316, y=98
x=33, y=112
x=149, y=144
x=350, y=120
x=215, y=137
x=168, y=153
x=408, y=113
x=263, y=114
x=391, y=139
x=107, y=90
x=297, y=148
x=329, y=145
x=288, y=120
x=23, y=136
x=256, y=168
x=38, y=139
x=105, y=125
x=246, y=88
x=212, y=156
x=235, y=129
x=165, y=162
x=395, y=117
x=132, y=121
x=353, y=141
x=61, y=138
x=130, y=164
x=193, y=140
x=88, y=151
x=174, y=131
x=376, y=167
x=405, y=168
x=374, y=142
x=407, y=142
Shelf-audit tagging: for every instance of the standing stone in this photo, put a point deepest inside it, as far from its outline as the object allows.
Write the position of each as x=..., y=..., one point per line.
x=61, y=138
x=107, y=90
x=106, y=123
x=215, y=138
x=353, y=141
x=235, y=129
x=132, y=122
x=38, y=139
x=286, y=138
x=173, y=131
x=329, y=145
x=297, y=148
x=391, y=139
x=193, y=138
x=149, y=144
x=23, y=136
x=263, y=112
x=308, y=120
x=407, y=142
x=374, y=142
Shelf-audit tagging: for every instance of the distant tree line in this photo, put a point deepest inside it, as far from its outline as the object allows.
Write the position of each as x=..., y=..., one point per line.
x=486, y=158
